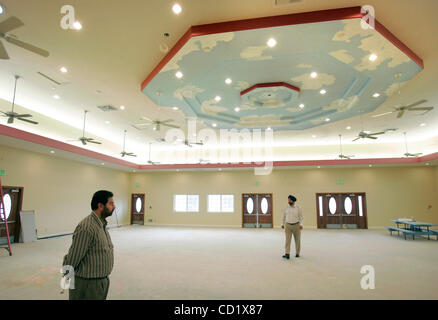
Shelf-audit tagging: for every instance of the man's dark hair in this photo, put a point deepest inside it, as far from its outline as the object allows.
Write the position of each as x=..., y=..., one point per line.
x=291, y=197
x=102, y=197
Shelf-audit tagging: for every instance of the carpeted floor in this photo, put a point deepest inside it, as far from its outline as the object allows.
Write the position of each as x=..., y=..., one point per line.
x=219, y=263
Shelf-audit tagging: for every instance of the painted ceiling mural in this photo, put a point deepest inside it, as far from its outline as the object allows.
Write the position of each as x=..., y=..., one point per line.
x=338, y=51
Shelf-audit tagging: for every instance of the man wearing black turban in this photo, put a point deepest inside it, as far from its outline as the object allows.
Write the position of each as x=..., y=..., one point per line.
x=293, y=224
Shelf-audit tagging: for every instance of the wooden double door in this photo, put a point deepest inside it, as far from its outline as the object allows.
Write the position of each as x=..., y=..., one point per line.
x=341, y=211
x=13, y=199
x=137, y=208
x=257, y=210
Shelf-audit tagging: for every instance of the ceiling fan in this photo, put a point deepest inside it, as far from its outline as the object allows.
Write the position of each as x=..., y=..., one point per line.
x=84, y=139
x=124, y=153
x=8, y=25
x=407, y=154
x=150, y=161
x=368, y=134
x=11, y=115
x=341, y=155
x=185, y=141
x=401, y=110
x=155, y=123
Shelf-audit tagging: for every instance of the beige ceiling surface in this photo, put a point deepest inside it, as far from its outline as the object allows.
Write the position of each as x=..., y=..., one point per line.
x=119, y=45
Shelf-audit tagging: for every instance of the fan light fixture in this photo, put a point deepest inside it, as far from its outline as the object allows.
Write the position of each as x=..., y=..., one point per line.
x=2, y=9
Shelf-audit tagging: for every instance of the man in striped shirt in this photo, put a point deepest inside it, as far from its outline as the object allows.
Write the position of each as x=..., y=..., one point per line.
x=91, y=254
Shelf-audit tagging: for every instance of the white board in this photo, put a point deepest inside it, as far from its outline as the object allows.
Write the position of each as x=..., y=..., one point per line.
x=28, y=229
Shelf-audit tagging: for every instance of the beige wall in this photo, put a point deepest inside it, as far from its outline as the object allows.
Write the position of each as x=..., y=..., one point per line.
x=60, y=190
x=391, y=192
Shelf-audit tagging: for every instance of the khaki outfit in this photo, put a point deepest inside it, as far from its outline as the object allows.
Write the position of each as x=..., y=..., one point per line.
x=292, y=220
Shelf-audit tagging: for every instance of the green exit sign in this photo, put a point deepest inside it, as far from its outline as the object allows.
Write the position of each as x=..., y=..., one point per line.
x=2, y=172
x=340, y=182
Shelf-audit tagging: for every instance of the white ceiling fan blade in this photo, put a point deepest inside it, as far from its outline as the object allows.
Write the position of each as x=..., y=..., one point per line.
x=23, y=115
x=3, y=53
x=28, y=46
x=10, y=24
x=370, y=137
x=382, y=114
x=165, y=121
x=356, y=139
x=377, y=133
x=170, y=125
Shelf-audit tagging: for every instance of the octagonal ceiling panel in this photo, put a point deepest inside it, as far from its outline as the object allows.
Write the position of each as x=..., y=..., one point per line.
x=338, y=51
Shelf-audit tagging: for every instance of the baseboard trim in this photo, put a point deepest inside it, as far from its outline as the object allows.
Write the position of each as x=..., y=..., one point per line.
x=57, y=235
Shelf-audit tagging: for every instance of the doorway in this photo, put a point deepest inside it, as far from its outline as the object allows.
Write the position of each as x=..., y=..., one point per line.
x=257, y=210
x=13, y=200
x=341, y=211
x=137, y=208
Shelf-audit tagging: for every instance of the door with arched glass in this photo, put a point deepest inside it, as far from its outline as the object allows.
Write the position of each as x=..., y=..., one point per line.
x=137, y=208
x=12, y=199
x=341, y=211
x=257, y=210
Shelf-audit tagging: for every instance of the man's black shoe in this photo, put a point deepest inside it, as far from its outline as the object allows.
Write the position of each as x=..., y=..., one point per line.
x=286, y=256
x=297, y=255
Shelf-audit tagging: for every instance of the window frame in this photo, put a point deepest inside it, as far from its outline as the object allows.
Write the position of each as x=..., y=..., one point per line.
x=186, y=202
x=221, y=195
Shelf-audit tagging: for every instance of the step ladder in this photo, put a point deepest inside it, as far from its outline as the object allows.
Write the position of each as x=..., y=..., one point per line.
x=4, y=219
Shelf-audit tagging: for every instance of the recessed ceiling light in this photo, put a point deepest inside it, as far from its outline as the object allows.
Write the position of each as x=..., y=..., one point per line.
x=51, y=151
x=56, y=97
x=77, y=25
x=237, y=109
x=107, y=122
x=422, y=125
x=323, y=91
x=269, y=128
x=176, y=8
x=179, y=74
x=376, y=95
x=2, y=9
x=313, y=136
x=427, y=163
x=348, y=128
x=175, y=108
x=272, y=43
x=194, y=134
x=228, y=81
x=122, y=107
x=218, y=98
x=214, y=125
x=319, y=167
x=154, y=128
x=177, y=170
x=327, y=119
x=373, y=57
x=133, y=170
x=302, y=105
x=103, y=163
x=370, y=165
x=220, y=169
x=63, y=70
x=314, y=74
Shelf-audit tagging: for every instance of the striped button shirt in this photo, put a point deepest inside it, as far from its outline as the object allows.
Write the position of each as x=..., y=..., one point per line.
x=91, y=253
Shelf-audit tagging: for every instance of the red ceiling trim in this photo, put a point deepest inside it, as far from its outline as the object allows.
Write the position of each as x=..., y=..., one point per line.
x=34, y=138
x=269, y=85
x=278, y=21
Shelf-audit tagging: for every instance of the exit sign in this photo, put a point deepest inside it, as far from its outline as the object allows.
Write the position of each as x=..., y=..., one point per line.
x=340, y=181
x=2, y=172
